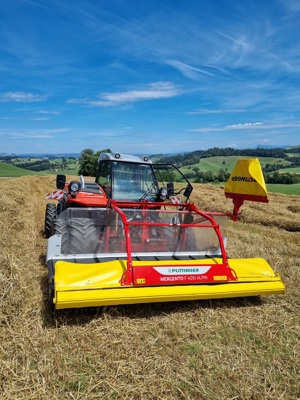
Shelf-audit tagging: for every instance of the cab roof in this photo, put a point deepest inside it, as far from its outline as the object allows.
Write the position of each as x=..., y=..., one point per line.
x=124, y=158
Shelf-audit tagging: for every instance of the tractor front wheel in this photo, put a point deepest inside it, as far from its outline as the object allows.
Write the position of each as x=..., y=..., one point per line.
x=51, y=295
x=50, y=216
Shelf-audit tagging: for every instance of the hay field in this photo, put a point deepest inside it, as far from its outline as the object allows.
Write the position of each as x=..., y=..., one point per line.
x=237, y=349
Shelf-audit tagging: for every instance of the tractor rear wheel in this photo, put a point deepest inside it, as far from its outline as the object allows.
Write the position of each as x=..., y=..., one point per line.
x=174, y=240
x=59, y=225
x=79, y=236
x=50, y=215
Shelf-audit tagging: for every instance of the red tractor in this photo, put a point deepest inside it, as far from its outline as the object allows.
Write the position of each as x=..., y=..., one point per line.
x=132, y=236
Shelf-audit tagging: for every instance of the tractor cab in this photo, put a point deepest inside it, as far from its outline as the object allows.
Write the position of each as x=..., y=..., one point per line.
x=132, y=178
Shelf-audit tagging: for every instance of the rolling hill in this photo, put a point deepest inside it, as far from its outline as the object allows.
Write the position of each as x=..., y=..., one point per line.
x=10, y=171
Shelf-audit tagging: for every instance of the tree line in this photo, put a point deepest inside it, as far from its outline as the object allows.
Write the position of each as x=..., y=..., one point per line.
x=42, y=165
x=184, y=159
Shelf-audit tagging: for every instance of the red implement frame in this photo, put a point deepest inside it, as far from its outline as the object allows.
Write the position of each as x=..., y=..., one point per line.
x=171, y=272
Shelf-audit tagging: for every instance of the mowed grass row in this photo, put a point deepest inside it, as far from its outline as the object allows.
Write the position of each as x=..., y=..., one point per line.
x=245, y=349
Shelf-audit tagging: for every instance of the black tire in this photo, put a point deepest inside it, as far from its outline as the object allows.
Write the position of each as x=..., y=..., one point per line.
x=59, y=226
x=174, y=243
x=191, y=240
x=79, y=236
x=60, y=207
x=51, y=295
x=50, y=216
x=168, y=236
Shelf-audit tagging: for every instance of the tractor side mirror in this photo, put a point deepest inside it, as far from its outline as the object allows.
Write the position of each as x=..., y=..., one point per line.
x=188, y=191
x=170, y=187
x=60, y=181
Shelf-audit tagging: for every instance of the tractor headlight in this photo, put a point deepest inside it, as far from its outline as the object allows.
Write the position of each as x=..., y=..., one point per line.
x=163, y=193
x=74, y=188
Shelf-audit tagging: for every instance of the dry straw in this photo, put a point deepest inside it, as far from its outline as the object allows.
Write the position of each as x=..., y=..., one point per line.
x=239, y=349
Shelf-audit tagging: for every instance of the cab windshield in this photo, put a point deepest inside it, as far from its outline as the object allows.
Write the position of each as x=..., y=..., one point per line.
x=128, y=181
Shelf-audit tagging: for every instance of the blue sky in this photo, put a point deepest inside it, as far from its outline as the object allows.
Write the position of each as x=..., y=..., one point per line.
x=141, y=76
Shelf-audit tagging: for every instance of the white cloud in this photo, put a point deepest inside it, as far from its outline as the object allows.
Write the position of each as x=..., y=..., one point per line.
x=247, y=126
x=47, y=112
x=212, y=111
x=40, y=119
x=187, y=70
x=32, y=133
x=153, y=91
x=21, y=97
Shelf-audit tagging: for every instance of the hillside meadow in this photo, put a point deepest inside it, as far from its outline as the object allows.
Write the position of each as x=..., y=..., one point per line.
x=11, y=171
x=234, y=349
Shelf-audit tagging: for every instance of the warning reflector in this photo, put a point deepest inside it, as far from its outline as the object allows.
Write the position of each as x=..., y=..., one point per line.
x=55, y=195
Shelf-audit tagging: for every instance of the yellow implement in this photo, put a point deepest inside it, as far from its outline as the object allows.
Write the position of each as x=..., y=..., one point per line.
x=99, y=284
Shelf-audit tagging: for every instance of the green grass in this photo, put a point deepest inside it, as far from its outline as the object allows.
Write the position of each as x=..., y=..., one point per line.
x=291, y=190
x=285, y=189
x=10, y=171
x=295, y=170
